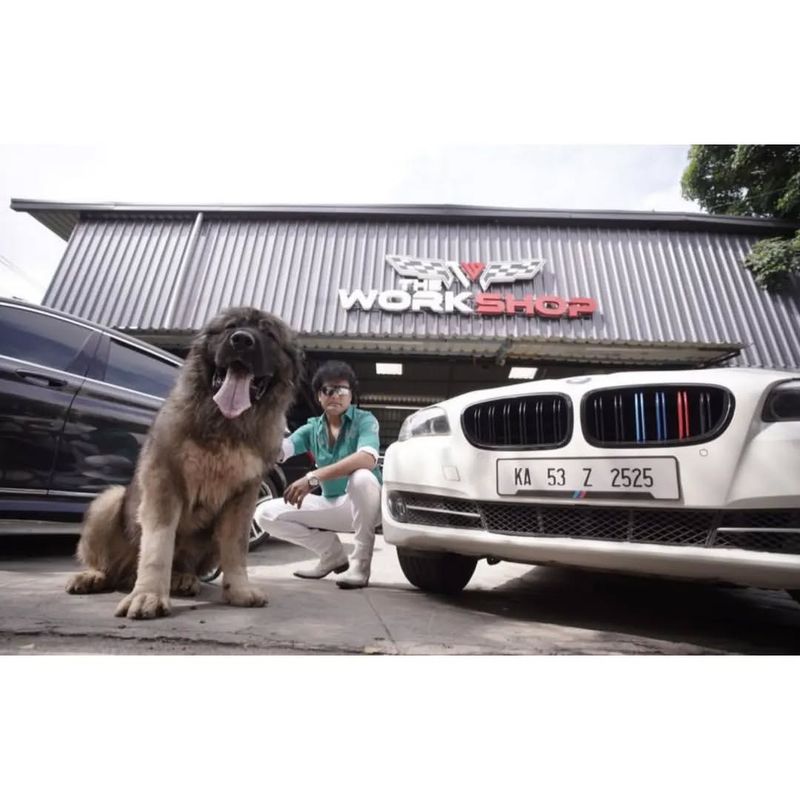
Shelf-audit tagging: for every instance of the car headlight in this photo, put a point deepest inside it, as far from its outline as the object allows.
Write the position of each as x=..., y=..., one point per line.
x=783, y=403
x=425, y=422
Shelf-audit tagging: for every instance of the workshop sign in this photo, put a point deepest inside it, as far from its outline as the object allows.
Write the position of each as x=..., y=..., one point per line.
x=466, y=287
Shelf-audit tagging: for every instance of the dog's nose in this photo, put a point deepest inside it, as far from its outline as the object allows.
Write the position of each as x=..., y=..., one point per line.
x=242, y=340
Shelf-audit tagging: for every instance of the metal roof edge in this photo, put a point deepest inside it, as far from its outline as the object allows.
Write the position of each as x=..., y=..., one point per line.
x=42, y=209
x=499, y=348
x=326, y=339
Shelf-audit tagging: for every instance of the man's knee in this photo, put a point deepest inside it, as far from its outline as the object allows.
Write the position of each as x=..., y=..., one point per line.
x=364, y=491
x=269, y=510
x=362, y=480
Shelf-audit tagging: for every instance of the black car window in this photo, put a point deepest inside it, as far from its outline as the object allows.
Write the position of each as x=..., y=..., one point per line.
x=42, y=339
x=137, y=370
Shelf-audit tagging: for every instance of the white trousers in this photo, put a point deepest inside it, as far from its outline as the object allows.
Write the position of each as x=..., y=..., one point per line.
x=313, y=526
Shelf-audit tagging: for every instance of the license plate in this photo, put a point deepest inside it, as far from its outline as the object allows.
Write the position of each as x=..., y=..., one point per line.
x=581, y=477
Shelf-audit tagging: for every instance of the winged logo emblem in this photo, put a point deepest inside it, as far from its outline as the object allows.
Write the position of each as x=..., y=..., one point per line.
x=510, y=271
x=466, y=272
x=424, y=269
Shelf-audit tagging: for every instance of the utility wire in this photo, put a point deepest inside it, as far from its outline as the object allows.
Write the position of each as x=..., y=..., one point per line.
x=17, y=271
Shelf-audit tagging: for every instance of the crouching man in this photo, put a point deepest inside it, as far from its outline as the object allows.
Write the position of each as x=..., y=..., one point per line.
x=344, y=441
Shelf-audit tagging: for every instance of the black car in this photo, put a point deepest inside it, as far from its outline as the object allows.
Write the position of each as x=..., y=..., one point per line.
x=76, y=401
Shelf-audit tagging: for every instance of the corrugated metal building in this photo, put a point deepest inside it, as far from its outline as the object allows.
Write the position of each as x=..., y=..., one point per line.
x=566, y=291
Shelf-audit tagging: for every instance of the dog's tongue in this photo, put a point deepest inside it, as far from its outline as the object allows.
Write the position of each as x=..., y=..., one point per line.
x=233, y=396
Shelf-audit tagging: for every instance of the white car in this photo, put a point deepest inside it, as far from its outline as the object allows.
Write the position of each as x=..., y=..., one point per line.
x=689, y=474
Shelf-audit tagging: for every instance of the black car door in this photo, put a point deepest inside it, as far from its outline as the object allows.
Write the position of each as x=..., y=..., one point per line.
x=110, y=417
x=43, y=359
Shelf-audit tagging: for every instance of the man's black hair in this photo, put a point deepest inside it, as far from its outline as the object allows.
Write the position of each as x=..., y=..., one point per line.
x=335, y=371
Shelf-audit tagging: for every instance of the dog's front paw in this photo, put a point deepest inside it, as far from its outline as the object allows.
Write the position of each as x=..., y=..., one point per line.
x=88, y=582
x=143, y=605
x=184, y=584
x=243, y=596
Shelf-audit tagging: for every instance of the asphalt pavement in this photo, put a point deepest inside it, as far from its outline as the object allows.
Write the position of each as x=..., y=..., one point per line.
x=505, y=609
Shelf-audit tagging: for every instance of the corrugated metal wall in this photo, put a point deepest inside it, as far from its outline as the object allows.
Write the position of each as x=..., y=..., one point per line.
x=651, y=285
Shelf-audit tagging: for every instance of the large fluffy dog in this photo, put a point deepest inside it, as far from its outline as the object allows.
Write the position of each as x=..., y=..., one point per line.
x=195, y=487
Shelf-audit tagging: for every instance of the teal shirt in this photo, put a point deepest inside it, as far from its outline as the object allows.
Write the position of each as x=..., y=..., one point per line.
x=359, y=429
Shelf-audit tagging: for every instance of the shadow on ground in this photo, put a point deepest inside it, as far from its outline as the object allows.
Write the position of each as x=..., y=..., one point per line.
x=15, y=547
x=728, y=619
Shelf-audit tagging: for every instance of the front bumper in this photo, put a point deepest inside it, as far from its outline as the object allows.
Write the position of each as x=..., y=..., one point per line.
x=728, y=565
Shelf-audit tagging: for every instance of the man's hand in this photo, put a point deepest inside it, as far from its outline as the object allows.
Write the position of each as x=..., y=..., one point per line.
x=295, y=492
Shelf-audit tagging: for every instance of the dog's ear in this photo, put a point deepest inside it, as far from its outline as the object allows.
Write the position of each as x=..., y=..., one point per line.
x=199, y=359
x=199, y=346
x=199, y=341
x=286, y=339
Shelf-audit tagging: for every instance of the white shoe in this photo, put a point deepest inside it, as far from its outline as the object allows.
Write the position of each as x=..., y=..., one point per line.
x=357, y=577
x=337, y=562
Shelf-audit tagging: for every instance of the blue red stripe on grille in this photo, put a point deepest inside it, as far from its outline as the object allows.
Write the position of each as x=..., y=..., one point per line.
x=647, y=415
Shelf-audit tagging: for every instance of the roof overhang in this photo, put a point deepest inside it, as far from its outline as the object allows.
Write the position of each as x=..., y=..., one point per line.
x=543, y=351
x=61, y=218
x=500, y=350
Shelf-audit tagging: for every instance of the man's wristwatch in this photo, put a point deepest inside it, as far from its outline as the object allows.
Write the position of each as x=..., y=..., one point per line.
x=313, y=480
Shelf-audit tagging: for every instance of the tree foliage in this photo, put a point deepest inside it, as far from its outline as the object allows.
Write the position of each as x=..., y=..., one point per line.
x=751, y=180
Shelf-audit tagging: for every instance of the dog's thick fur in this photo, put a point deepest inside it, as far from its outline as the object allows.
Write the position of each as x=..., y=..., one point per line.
x=195, y=486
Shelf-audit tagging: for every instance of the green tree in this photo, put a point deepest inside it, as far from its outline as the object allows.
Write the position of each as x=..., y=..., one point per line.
x=751, y=180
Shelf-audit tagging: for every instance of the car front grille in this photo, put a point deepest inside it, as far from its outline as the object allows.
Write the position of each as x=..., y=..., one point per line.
x=655, y=415
x=773, y=531
x=512, y=423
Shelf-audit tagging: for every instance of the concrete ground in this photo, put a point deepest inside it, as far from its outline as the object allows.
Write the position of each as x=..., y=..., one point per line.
x=506, y=609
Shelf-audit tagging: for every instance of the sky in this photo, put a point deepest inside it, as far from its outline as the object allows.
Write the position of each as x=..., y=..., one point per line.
x=645, y=177
x=507, y=104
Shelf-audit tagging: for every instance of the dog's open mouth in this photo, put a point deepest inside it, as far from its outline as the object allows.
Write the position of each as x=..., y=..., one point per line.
x=236, y=390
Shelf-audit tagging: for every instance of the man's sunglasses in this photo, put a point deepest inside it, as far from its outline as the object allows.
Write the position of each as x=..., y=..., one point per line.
x=338, y=391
